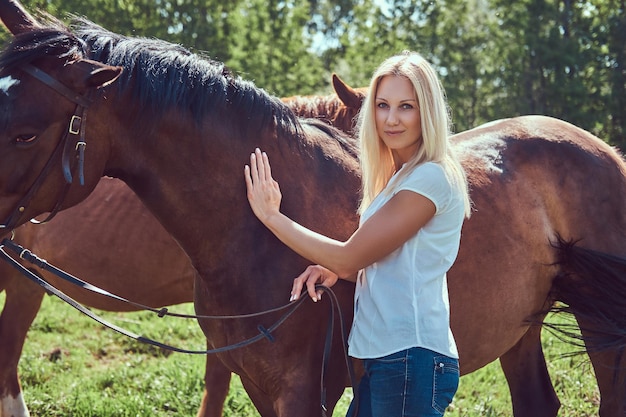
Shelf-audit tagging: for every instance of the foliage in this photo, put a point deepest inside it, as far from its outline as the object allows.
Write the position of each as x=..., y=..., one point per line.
x=568, y=63
x=497, y=58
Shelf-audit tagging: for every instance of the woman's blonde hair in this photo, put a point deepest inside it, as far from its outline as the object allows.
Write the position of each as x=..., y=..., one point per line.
x=377, y=162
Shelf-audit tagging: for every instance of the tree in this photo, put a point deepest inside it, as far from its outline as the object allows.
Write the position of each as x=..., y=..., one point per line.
x=270, y=47
x=496, y=58
x=563, y=58
x=465, y=36
x=265, y=41
x=608, y=38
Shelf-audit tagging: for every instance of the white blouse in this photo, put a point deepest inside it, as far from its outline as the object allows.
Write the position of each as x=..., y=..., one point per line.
x=401, y=301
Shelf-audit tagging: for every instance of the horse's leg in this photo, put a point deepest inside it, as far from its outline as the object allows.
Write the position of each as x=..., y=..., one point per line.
x=610, y=369
x=524, y=366
x=217, y=384
x=23, y=300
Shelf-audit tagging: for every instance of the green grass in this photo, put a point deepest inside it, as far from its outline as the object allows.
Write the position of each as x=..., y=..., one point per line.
x=72, y=366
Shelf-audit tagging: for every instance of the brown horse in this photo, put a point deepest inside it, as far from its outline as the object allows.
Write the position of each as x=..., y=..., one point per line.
x=115, y=239
x=528, y=178
x=94, y=248
x=118, y=244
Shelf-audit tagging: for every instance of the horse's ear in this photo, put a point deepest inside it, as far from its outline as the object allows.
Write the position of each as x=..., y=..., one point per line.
x=15, y=17
x=97, y=74
x=102, y=77
x=348, y=95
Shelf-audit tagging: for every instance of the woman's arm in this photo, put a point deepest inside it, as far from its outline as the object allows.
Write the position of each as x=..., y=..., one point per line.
x=399, y=219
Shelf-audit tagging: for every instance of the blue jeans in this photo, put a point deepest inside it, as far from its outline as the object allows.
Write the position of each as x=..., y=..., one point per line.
x=411, y=383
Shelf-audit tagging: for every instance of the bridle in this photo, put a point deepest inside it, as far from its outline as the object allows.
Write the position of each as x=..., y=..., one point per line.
x=71, y=149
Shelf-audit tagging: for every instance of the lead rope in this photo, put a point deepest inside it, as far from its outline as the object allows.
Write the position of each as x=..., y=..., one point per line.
x=334, y=305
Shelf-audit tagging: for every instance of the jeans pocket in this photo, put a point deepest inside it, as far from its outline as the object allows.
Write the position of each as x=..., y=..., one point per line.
x=445, y=382
x=389, y=369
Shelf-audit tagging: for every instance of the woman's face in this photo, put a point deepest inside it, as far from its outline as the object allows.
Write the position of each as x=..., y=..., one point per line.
x=397, y=114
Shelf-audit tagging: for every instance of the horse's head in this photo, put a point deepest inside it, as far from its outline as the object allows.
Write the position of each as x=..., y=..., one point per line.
x=339, y=109
x=46, y=87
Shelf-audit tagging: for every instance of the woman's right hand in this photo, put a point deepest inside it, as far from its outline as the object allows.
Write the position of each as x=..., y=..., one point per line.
x=263, y=191
x=312, y=275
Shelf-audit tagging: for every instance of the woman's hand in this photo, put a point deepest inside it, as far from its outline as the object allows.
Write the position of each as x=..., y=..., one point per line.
x=263, y=191
x=312, y=275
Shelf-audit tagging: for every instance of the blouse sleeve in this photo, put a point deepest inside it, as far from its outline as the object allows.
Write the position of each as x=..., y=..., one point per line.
x=429, y=180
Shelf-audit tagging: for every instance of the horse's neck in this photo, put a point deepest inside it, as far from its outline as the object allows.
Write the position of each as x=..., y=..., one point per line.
x=192, y=180
x=175, y=177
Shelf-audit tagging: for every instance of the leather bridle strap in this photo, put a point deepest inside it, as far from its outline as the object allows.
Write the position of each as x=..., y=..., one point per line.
x=35, y=260
x=77, y=121
x=75, y=129
x=334, y=305
x=56, y=86
x=15, y=217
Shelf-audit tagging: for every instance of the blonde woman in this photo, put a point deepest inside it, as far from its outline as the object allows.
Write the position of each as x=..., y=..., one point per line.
x=414, y=201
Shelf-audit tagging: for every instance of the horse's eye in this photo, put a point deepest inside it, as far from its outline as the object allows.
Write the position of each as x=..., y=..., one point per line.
x=23, y=139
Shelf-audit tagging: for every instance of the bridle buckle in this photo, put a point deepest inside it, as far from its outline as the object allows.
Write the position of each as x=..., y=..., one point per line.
x=74, y=127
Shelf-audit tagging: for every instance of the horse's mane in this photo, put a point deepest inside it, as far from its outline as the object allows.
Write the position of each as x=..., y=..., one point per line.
x=158, y=74
x=319, y=107
x=53, y=39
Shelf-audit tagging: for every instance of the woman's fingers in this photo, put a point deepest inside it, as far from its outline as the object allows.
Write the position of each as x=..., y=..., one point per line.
x=299, y=283
x=261, y=163
x=313, y=293
x=296, y=289
x=246, y=176
x=254, y=168
x=267, y=169
x=260, y=168
x=263, y=192
x=311, y=276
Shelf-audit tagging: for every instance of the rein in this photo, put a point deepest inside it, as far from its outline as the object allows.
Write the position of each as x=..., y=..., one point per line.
x=32, y=258
x=28, y=256
x=64, y=148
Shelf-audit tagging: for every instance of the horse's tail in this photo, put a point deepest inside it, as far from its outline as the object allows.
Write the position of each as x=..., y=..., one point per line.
x=591, y=286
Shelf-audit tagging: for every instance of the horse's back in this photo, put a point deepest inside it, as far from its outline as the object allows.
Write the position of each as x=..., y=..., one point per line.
x=113, y=242
x=532, y=179
x=577, y=180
